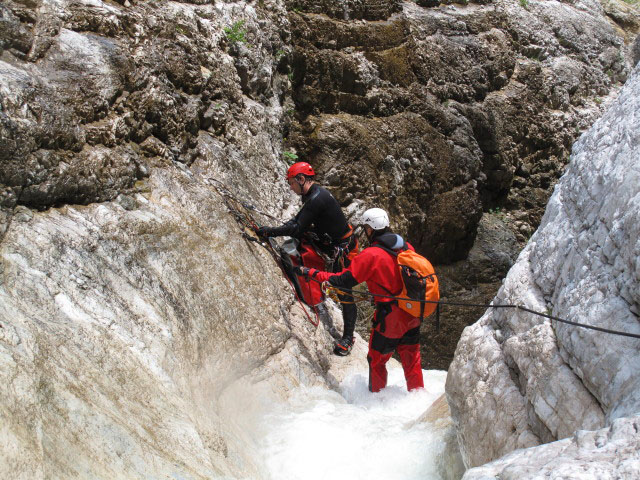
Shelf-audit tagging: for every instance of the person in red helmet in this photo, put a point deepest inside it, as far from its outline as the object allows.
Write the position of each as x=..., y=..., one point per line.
x=323, y=230
x=393, y=328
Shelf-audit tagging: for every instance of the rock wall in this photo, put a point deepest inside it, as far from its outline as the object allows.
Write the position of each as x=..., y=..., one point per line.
x=518, y=380
x=139, y=332
x=447, y=114
x=94, y=95
x=127, y=334
x=607, y=453
x=439, y=114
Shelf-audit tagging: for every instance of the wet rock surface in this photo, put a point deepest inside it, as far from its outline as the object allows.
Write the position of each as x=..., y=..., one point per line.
x=495, y=93
x=143, y=339
x=552, y=379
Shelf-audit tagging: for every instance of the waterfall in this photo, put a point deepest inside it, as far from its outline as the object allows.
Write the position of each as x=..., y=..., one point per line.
x=353, y=433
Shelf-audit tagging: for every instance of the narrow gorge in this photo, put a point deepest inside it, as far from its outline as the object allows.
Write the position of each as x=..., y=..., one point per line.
x=142, y=336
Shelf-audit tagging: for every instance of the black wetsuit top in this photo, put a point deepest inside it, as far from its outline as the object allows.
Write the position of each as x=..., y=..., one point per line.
x=320, y=214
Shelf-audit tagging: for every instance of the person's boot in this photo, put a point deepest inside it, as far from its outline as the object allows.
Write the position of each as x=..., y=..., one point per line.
x=343, y=346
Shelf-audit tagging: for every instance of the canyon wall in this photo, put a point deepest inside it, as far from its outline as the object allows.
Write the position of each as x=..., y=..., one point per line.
x=519, y=380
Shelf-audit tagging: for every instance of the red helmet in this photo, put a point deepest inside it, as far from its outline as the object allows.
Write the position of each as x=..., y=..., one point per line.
x=300, y=168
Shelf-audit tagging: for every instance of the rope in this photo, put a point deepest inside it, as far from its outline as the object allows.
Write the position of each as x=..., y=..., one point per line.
x=225, y=192
x=249, y=226
x=334, y=290
x=248, y=222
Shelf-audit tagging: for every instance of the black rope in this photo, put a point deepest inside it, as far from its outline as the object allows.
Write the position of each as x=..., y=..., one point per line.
x=518, y=307
x=251, y=224
x=222, y=189
x=247, y=222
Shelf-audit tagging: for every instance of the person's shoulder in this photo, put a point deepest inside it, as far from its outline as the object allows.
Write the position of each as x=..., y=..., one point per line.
x=373, y=251
x=322, y=190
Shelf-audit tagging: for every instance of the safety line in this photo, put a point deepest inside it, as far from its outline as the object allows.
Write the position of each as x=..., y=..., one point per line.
x=247, y=222
x=225, y=193
x=518, y=307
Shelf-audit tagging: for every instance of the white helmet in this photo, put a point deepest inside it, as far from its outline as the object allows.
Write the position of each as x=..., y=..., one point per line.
x=376, y=218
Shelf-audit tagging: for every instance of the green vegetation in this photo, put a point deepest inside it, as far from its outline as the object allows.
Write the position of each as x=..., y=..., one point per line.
x=499, y=213
x=524, y=4
x=632, y=2
x=236, y=33
x=290, y=156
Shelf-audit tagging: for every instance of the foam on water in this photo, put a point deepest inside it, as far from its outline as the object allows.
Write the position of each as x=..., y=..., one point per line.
x=354, y=433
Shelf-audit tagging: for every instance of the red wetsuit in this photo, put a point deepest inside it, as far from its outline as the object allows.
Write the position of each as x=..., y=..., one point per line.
x=394, y=329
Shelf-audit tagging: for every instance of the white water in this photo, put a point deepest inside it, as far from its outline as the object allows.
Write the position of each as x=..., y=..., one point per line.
x=354, y=434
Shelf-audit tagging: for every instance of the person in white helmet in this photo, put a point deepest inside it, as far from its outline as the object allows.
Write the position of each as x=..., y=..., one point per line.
x=393, y=328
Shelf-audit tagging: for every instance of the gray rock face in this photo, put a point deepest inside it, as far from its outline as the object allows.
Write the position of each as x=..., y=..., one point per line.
x=612, y=453
x=518, y=380
x=94, y=94
x=138, y=335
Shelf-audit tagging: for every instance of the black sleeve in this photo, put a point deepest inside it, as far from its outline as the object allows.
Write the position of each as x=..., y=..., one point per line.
x=344, y=280
x=290, y=229
x=307, y=215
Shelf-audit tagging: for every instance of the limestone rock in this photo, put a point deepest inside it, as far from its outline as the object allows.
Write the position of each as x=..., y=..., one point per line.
x=126, y=336
x=138, y=329
x=95, y=94
x=519, y=380
x=609, y=453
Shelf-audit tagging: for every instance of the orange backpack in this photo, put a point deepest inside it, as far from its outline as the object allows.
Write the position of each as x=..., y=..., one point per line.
x=419, y=283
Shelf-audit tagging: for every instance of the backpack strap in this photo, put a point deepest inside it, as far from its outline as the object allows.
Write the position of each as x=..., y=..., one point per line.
x=394, y=254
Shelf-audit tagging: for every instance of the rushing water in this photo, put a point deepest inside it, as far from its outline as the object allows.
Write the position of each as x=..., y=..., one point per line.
x=354, y=434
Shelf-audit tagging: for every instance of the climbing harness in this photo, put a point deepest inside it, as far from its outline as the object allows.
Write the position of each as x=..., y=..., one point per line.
x=239, y=210
x=333, y=292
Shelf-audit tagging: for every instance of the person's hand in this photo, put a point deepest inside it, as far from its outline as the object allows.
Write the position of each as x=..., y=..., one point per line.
x=263, y=232
x=302, y=271
x=324, y=286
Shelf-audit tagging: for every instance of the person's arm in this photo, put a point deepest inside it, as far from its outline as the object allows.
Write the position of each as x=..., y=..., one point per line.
x=359, y=271
x=294, y=227
x=290, y=229
x=344, y=279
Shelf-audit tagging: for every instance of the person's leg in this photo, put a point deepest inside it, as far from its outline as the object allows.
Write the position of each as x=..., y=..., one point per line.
x=349, y=315
x=380, y=350
x=409, y=352
x=377, y=370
